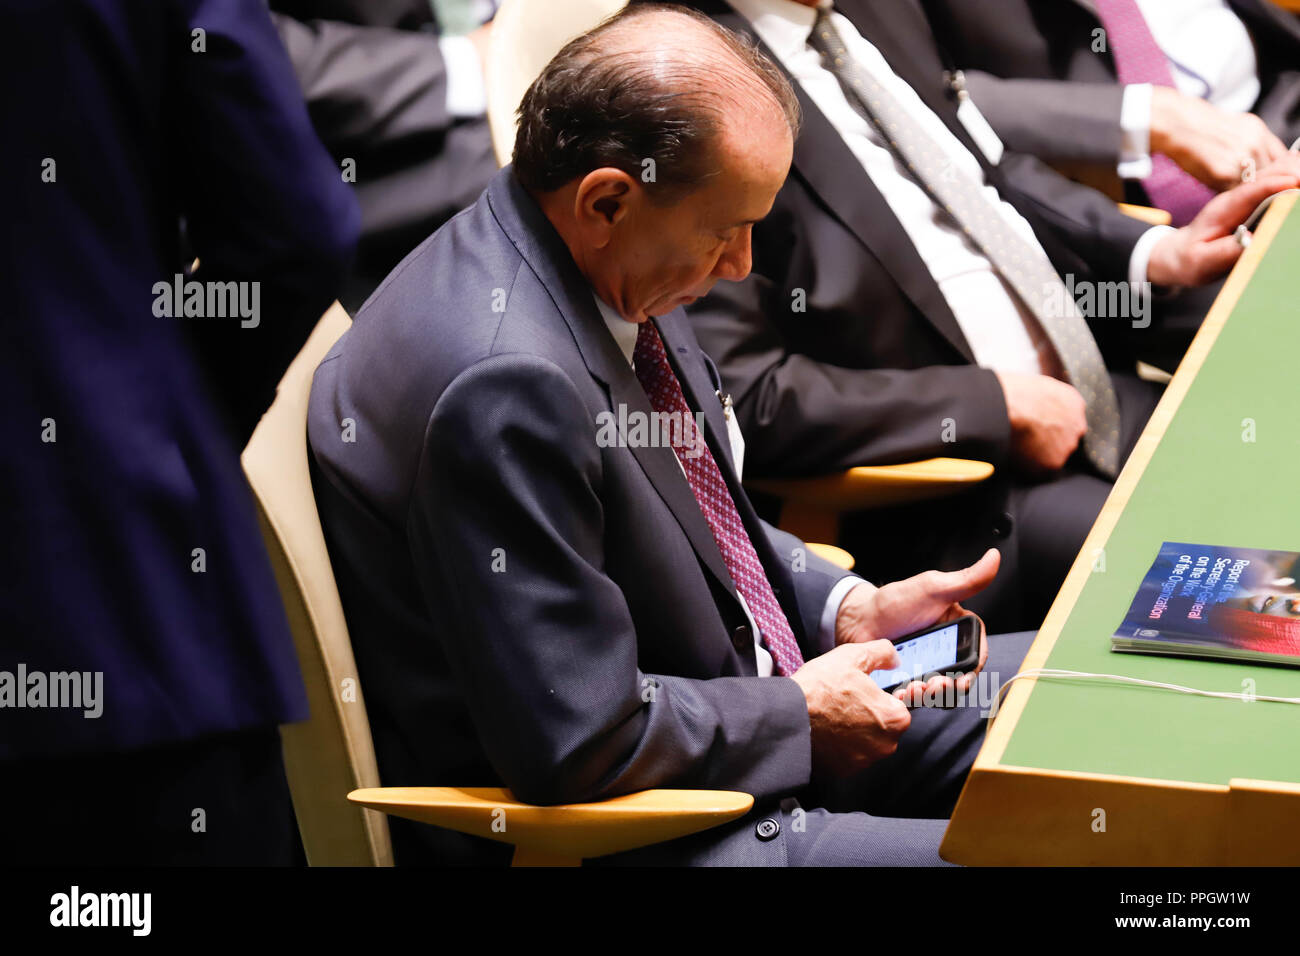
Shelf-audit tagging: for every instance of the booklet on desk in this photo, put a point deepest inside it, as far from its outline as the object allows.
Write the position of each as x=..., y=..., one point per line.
x=1240, y=604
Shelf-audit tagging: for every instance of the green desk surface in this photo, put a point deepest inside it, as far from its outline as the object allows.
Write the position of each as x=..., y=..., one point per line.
x=1204, y=484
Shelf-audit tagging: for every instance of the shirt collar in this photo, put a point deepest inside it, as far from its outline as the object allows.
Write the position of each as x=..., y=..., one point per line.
x=624, y=332
x=784, y=25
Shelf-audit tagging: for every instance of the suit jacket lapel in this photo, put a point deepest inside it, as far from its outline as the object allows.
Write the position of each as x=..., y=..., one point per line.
x=665, y=473
x=684, y=351
x=546, y=253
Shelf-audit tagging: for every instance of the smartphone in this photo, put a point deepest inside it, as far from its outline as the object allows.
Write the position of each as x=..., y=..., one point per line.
x=948, y=649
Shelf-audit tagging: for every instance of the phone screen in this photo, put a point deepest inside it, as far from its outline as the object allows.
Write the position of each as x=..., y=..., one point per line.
x=936, y=651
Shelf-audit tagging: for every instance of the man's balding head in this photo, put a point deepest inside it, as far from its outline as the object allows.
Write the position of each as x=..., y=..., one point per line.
x=655, y=91
x=653, y=144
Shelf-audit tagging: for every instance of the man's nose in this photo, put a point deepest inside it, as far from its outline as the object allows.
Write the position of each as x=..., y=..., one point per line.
x=737, y=259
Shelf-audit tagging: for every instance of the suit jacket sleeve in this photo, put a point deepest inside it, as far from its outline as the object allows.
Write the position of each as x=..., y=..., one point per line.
x=1082, y=230
x=1052, y=119
x=367, y=86
x=815, y=417
x=812, y=584
x=378, y=96
x=263, y=201
x=547, y=647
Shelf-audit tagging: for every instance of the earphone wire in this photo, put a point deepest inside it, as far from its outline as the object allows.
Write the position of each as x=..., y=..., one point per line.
x=1058, y=673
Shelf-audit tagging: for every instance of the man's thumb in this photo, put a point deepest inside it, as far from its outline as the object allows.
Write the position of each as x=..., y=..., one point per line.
x=970, y=581
x=877, y=655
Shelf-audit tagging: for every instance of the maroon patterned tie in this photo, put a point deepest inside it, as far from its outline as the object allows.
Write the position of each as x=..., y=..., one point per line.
x=702, y=474
x=1139, y=59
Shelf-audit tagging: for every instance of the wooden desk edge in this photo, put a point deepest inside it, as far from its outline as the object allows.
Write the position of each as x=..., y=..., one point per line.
x=990, y=755
x=1034, y=817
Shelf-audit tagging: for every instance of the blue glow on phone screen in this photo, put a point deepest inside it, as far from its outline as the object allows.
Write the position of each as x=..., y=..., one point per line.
x=936, y=651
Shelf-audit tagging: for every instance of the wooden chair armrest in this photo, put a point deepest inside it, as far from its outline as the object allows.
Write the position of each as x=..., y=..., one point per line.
x=874, y=486
x=833, y=554
x=811, y=507
x=1152, y=373
x=1148, y=214
x=561, y=835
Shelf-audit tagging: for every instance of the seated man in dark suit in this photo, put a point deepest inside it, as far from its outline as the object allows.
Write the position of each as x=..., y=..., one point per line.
x=913, y=296
x=1167, y=100
x=541, y=600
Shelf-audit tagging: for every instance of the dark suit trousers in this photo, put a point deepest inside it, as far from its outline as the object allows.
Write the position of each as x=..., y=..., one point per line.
x=1038, y=525
x=139, y=808
x=893, y=814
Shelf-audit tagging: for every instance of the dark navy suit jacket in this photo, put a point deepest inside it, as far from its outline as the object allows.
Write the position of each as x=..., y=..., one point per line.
x=529, y=608
x=115, y=128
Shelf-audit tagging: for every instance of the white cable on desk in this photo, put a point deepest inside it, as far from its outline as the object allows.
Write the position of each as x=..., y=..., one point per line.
x=1243, y=232
x=1064, y=674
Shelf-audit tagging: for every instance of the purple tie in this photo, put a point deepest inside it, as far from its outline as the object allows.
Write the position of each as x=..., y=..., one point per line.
x=1139, y=59
x=702, y=474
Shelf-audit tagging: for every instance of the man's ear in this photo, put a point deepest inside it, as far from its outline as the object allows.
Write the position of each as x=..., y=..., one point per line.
x=603, y=199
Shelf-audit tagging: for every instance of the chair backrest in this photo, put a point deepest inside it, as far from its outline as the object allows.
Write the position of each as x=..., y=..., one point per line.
x=526, y=34
x=331, y=753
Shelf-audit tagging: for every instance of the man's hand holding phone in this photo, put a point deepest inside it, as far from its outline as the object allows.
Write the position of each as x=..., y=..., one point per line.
x=905, y=607
x=854, y=722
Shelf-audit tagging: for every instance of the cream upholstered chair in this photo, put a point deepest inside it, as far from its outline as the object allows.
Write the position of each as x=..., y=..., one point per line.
x=526, y=34
x=330, y=758
x=331, y=753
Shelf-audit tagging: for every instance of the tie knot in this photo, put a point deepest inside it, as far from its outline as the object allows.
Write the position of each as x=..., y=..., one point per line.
x=648, y=356
x=825, y=38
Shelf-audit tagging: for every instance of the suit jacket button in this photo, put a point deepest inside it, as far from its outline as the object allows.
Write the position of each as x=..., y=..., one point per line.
x=742, y=638
x=767, y=829
x=1003, y=525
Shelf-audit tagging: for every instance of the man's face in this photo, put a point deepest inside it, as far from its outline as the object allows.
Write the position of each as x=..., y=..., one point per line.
x=1277, y=603
x=662, y=257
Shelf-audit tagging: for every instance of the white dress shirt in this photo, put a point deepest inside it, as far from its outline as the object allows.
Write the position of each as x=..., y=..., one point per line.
x=624, y=333
x=466, y=90
x=1210, y=55
x=991, y=316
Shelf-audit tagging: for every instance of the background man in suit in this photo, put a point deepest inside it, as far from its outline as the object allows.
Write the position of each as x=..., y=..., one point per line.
x=891, y=314
x=540, y=604
x=131, y=549
x=1099, y=86
x=405, y=105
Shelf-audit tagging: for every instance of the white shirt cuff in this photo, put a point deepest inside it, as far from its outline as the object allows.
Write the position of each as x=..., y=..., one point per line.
x=466, y=91
x=832, y=610
x=1141, y=255
x=1135, y=132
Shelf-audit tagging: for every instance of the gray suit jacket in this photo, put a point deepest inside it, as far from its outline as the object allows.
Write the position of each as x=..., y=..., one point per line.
x=1031, y=68
x=375, y=84
x=528, y=608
